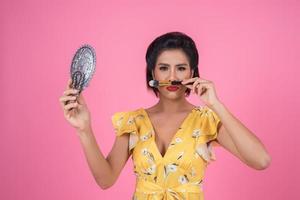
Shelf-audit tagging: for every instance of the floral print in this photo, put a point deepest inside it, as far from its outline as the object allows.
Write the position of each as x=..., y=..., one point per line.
x=179, y=173
x=146, y=136
x=196, y=133
x=183, y=179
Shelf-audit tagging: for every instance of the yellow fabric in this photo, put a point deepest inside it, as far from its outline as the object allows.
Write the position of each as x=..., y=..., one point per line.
x=179, y=173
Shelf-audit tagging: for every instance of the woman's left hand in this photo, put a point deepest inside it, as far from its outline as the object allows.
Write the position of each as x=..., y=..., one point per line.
x=204, y=89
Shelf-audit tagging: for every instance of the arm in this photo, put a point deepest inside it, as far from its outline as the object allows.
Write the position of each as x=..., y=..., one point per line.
x=105, y=170
x=239, y=140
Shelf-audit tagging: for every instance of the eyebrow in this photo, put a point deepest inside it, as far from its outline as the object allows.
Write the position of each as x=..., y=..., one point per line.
x=181, y=64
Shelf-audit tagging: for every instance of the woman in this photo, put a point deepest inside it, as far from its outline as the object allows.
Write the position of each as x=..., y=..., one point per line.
x=170, y=142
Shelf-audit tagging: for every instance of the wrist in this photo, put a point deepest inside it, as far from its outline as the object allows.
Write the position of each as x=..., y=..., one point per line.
x=217, y=106
x=84, y=131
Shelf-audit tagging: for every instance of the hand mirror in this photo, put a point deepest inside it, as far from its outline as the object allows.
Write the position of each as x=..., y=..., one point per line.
x=83, y=67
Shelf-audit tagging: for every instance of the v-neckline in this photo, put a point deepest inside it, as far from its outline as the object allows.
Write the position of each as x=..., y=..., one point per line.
x=148, y=120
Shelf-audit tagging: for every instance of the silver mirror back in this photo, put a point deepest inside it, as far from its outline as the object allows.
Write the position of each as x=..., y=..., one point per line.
x=83, y=67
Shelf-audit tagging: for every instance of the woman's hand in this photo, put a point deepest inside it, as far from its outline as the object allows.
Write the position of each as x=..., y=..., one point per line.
x=205, y=89
x=75, y=108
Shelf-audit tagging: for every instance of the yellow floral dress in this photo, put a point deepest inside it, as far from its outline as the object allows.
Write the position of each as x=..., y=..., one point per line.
x=179, y=173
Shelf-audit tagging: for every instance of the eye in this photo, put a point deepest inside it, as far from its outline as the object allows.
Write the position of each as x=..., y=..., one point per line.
x=163, y=68
x=181, y=68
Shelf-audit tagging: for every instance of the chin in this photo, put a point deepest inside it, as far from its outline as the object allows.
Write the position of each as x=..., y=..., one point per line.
x=172, y=95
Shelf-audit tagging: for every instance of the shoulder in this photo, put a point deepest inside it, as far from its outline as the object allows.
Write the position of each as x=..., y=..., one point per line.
x=132, y=112
x=125, y=116
x=203, y=109
x=124, y=121
x=207, y=121
x=206, y=112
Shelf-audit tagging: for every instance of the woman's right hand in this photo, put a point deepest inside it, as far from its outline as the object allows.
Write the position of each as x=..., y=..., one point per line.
x=75, y=109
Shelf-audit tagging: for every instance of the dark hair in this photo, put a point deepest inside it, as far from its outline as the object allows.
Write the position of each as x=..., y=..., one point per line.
x=169, y=41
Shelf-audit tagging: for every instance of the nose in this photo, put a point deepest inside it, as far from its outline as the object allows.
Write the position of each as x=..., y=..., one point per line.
x=173, y=75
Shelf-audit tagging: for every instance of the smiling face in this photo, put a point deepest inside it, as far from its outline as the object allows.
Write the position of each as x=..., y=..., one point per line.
x=172, y=65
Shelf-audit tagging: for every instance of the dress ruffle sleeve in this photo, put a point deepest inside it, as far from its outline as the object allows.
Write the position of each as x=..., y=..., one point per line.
x=207, y=133
x=124, y=122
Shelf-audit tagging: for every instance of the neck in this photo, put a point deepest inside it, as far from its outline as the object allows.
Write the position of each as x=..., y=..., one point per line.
x=172, y=105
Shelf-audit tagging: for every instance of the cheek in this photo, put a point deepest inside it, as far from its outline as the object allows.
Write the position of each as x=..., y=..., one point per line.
x=160, y=75
x=184, y=75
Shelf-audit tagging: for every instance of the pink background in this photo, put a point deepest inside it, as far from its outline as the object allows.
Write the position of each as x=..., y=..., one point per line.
x=249, y=50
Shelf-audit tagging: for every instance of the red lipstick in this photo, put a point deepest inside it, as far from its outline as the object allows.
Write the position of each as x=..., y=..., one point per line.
x=172, y=88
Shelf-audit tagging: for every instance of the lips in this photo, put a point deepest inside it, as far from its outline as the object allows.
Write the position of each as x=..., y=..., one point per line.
x=172, y=88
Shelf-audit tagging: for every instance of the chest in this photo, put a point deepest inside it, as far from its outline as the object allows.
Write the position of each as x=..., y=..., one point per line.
x=165, y=129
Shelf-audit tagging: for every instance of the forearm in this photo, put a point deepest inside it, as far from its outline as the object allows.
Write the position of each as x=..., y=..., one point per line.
x=98, y=164
x=247, y=144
